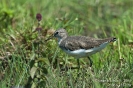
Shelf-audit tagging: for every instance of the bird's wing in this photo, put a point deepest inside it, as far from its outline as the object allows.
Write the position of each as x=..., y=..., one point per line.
x=75, y=43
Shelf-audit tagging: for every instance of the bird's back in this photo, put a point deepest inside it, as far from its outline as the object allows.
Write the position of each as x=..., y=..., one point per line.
x=82, y=42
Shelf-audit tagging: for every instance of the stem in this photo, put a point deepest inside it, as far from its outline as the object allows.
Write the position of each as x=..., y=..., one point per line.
x=38, y=38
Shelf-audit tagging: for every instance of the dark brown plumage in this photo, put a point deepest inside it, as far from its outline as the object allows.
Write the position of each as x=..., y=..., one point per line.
x=81, y=42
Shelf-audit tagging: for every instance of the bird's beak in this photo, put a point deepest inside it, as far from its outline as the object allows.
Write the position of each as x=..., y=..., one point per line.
x=53, y=34
x=50, y=37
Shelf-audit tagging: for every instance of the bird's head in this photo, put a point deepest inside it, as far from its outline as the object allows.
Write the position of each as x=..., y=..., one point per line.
x=60, y=33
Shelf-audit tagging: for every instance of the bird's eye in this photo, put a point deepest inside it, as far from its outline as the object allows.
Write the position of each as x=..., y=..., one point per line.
x=56, y=33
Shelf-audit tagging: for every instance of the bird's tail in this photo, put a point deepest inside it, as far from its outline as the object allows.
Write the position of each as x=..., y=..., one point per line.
x=112, y=39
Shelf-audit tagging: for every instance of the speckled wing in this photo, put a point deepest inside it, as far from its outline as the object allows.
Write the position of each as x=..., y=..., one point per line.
x=82, y=42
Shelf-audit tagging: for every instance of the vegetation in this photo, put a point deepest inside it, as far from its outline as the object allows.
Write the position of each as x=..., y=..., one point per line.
x=30, y=59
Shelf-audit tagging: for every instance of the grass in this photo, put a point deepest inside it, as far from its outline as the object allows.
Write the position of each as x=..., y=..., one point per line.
x=27, y=59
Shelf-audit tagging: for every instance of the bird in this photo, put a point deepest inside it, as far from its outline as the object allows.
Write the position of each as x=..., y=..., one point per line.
x=80, y=46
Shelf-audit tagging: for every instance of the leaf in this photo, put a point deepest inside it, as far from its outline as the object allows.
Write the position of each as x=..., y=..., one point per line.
x=32, y=63
x=42, y=84
x=44, y=60
x=32, y=72
x=33, y=85
x=44, y=70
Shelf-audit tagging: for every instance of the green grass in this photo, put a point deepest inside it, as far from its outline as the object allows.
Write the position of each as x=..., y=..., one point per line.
x=26, y=59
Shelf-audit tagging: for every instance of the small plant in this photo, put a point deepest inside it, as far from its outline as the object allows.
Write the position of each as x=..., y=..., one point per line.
x=39, y=28
x=37, y=68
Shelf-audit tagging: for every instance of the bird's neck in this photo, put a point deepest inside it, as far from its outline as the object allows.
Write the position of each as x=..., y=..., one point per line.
x=61, y=39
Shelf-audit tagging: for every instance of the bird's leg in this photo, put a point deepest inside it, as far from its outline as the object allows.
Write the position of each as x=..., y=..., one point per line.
x=78, y=64
x=90, y=61
x=78, y=69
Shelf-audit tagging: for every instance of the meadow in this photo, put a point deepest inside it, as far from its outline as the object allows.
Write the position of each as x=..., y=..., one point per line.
x=30, y=59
